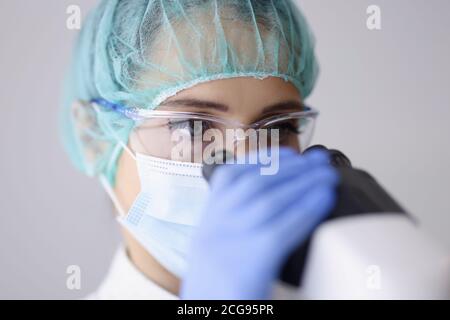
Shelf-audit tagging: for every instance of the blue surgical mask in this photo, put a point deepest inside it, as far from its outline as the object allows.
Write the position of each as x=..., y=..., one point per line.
x=167, y=210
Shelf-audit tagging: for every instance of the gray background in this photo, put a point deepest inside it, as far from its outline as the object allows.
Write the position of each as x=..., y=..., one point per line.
x=384, y=97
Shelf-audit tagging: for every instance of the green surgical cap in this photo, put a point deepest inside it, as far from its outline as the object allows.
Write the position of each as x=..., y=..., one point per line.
x=139, y=53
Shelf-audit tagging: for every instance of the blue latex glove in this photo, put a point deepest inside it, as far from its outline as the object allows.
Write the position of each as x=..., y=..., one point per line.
x=252, y=223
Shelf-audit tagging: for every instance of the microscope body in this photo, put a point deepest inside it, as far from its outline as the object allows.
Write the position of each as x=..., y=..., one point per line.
x=369, y=247
x=371, y=256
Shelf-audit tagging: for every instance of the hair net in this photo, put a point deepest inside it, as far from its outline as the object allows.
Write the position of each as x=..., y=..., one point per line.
x=140, y=52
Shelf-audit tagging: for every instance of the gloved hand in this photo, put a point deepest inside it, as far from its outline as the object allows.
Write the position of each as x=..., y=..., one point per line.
x=252, y=222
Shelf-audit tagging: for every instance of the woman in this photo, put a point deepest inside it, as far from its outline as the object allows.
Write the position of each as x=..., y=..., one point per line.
x=151, y=78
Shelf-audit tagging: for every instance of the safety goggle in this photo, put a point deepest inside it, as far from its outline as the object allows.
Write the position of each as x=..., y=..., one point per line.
x=188, y=136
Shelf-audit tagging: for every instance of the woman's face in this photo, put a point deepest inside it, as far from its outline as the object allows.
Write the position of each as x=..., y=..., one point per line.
x=244, y=99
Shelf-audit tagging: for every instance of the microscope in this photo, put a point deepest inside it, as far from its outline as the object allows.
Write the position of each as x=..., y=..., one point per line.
x=369, y=247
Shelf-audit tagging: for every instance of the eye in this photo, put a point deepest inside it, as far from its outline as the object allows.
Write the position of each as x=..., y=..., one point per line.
x=286, y=128
x=195, y=128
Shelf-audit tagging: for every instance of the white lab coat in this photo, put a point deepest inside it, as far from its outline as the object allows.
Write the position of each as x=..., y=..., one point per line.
x=125, y=282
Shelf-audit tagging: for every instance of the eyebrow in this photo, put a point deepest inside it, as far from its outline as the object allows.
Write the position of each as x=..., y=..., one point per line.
x=196, y=103
x=280, y=106
x=284, y=106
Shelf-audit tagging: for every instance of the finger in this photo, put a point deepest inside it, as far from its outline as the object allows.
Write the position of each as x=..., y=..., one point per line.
x=303, y=217
x=273, y=205
x=228, y=174
x=249, y=181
